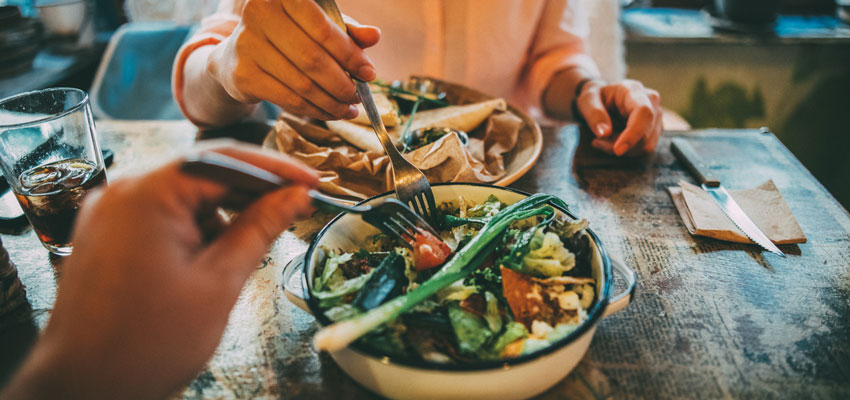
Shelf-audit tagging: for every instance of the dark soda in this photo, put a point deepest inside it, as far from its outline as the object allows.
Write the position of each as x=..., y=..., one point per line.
x=51, y=196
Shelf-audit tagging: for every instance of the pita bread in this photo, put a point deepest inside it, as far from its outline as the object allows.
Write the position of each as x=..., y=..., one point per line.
x=386, y=108
x=464, y=118
x=362, y=137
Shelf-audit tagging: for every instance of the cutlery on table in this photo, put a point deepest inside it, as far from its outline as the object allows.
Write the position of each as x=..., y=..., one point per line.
x=411, y=185
x=391, y=216
x=695, y=164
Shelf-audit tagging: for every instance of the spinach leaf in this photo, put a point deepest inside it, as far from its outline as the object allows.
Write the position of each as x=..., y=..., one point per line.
x=385, y=283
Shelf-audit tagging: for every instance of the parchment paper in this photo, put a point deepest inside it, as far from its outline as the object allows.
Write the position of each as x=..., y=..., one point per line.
x=763, y=204
x=348, y=171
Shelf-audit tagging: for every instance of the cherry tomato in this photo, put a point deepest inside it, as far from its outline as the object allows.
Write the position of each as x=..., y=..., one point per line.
x=429, y=251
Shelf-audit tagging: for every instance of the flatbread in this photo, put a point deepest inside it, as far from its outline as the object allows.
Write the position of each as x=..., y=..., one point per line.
x=361, y=136
x=464, y=118
x=385, y=107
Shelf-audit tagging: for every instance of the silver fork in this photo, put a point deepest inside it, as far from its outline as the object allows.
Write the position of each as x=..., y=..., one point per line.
x=411, y=185
x=391, y=216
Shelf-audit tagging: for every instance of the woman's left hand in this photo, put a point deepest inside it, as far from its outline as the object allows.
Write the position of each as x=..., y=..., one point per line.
x=628, y=101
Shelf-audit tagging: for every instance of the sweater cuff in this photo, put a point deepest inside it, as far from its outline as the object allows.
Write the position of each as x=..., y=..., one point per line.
x=178, y=76
x=547, y=66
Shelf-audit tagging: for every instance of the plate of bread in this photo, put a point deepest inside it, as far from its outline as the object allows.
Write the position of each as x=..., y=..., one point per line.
x=450, y=132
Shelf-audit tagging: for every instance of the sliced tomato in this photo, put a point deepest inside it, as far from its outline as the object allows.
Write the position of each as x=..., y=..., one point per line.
x=428, y=250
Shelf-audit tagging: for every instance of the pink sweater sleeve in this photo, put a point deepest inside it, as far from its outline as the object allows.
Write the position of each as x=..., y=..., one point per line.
x=214, y=29
x=560, y=43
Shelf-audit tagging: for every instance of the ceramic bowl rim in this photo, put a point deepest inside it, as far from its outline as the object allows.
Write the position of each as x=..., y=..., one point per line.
x=593, y=316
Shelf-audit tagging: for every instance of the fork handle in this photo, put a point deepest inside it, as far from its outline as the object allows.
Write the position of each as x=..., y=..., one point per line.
x=365, y=94
x=245, y=177
x=330, y=8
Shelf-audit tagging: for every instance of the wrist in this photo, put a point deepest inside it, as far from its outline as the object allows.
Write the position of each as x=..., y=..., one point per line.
x=206, y=101
x=581, y=87
x=563, y=89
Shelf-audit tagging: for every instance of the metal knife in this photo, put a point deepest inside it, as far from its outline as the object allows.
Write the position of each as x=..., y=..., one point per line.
x=686, y=154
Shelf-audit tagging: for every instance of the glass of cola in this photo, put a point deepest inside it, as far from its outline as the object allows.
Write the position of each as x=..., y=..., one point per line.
x=50, y=157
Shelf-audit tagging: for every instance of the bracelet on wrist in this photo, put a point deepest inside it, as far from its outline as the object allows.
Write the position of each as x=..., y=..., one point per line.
x=574, y=106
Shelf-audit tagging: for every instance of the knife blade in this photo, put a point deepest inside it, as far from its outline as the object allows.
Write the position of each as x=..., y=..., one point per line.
x=699, y=169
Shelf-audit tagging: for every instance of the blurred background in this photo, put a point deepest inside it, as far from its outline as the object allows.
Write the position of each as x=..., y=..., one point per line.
x=781, y=64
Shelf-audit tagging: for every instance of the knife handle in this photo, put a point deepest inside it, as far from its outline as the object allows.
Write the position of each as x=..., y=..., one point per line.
x=687, y=155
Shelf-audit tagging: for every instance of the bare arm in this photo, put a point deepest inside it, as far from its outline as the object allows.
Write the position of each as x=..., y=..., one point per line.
x=625, y=116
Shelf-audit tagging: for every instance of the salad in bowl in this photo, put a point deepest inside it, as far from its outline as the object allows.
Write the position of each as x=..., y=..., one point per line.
x=502, y=302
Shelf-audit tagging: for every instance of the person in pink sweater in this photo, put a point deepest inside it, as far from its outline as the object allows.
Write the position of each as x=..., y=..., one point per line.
x=533, y=53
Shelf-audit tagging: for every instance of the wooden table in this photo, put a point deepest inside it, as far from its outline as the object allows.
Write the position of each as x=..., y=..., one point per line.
x=711, y=319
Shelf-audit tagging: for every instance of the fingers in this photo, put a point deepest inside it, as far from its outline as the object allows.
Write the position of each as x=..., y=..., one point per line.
x=324, y=33
x=302, y=86
x=633, y=101
x=276, y=92
x=364, y=35
x=593, y=110
x=277, y=163
x=651, y=141
x=242, y=246
x=244, y=80
x=310, y=59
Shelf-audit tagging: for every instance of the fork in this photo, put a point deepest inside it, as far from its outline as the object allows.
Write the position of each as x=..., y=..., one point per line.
x=391, y=216
x=411, y=185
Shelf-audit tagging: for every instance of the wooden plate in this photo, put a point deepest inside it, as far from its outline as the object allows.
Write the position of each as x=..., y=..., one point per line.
x=517, y=162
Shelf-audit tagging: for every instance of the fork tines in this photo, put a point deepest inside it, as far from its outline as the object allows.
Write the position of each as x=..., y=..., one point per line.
x=425, y=207
x=395, y=218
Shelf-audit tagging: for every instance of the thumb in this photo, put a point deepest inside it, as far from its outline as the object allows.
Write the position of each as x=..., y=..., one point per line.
x=591, y=107
x=242, y=246
x=364, y=35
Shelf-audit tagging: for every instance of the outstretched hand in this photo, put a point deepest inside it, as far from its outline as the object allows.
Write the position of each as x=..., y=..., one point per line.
x=144, y=299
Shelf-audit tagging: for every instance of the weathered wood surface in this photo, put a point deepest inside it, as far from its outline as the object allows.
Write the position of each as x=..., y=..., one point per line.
x=711, y=319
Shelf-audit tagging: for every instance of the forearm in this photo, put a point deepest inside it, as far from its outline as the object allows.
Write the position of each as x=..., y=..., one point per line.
x=204, y=100
x=559, y=94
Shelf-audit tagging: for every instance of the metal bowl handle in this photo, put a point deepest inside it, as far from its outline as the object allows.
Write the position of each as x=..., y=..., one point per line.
x=621, y=300
x=292, y=282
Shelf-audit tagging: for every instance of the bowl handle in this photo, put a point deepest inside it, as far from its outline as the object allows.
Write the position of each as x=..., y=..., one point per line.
x=293, y=278
x=622, y=299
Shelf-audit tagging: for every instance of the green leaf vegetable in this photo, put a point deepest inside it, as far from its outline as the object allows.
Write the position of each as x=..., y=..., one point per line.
x=385, y=283
x=471, y=330
x=464, y=261
x=547, y=256
x=398, y=91
x=334, y=296
x=331, y=275
x=406, y=138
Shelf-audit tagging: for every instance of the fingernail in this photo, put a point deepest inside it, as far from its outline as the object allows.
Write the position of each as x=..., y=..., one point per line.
x=620, y=149
x=352, y=112
x=366, y=72
x=601, y=129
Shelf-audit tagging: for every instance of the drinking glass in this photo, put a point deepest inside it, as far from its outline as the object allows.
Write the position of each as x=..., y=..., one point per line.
x=50, y=156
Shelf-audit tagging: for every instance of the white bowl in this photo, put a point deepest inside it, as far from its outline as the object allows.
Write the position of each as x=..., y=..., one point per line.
x=513, y=378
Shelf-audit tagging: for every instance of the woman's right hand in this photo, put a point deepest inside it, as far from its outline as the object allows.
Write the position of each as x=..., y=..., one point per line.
x=288, y=52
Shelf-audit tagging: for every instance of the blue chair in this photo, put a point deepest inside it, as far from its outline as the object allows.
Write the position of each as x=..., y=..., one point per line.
x=133, y=80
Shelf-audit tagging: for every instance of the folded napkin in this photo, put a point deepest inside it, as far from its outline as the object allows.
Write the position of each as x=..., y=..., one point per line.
x=763, y=204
